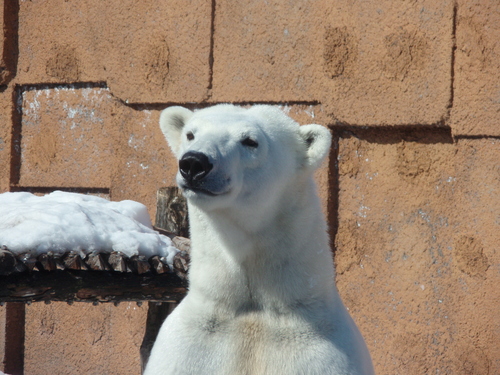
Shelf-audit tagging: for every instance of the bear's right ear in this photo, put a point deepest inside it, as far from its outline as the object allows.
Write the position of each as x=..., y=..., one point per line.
x=172, y=120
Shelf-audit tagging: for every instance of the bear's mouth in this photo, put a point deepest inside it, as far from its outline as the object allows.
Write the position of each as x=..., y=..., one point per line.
x=198, y=190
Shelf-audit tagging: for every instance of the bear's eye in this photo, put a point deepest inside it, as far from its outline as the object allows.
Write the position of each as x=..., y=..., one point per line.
x=249, y=142
x=190, y=136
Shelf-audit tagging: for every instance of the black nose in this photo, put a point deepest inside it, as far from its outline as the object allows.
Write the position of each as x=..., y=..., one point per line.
x=194, y=166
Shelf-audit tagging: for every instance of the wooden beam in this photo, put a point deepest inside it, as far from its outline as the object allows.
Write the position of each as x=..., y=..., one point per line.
x=91, y=286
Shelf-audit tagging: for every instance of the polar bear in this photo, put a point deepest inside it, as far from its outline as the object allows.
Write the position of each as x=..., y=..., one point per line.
x=262, y=297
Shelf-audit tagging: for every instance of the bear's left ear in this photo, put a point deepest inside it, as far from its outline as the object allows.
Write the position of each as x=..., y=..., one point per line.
x=172, y=121
x=318, y=141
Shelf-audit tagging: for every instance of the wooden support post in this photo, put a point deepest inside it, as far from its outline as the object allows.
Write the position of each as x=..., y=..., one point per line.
x=157, y=313
x=171, y=216
x=171, y=211
x=13, y=362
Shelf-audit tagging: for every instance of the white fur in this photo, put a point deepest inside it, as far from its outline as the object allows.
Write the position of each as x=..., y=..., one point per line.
x=262, y=297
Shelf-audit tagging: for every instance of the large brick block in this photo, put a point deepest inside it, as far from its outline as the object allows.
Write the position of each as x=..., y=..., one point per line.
x=416, y=249
x=476, y=103
x=145, y=162
x=68, y=137
x=146, y=51
x=84, y=339
x=383, y=63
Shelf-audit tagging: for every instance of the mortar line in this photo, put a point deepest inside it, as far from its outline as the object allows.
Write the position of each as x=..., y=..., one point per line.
x=11, y=38
x=49, y=189
x=476, y=136
x=211, y=52
x=333, y=203
x=201, y=105
x=59, y=85
x=16, y=137
x=453, y=61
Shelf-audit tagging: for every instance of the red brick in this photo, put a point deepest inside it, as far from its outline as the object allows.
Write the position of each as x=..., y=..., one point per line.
x=476, y=104
x=416, y=250
x=381, y=63
x=146, y=51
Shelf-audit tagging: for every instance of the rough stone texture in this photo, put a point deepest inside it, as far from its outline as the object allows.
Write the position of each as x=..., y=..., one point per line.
x=145, y=161
x=82, y=137
x=417, y=258
x=476, y=104
x=67, y=137
x=416, y=209
x=367, y=63
x=84, y=339
x=146, y=51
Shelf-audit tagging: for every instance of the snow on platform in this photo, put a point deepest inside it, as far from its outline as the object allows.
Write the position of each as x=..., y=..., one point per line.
x=60, y=222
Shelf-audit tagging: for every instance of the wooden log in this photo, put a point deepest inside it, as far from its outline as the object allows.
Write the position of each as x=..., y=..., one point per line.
x=139, y=264
x=59, y=263
x=182, y=243
x=7, y=261
x=171, y=211
x=181, y=264
x=95, y=261
x=159, y=265
x=47, y=261
x=117, y=261
x=20, y=267
x=29, y=261
x=73, y=261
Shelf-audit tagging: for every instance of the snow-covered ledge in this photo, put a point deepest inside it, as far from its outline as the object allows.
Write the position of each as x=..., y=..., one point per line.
x=74, y=247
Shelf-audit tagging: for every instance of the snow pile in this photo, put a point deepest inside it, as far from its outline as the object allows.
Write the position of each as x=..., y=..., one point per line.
x=62, y=221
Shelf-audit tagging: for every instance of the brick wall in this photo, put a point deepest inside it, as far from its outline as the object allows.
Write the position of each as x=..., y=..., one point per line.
x=410, y=89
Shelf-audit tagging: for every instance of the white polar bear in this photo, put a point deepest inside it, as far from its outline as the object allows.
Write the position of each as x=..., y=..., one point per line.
x=262, y=298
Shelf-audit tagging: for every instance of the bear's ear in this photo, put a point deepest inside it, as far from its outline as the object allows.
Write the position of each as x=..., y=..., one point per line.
x=172, y=120
x=318, y=141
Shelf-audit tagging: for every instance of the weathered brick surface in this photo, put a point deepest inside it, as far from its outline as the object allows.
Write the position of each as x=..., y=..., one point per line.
x=416, y=257
x=145, y=163
x=416, y=210
x=84, y=339
x=382, y=63
x=68, y=137
x=476, y=104
x=146, y=51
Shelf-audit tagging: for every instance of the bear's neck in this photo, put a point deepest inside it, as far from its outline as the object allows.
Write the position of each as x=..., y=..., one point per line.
x=285, y=261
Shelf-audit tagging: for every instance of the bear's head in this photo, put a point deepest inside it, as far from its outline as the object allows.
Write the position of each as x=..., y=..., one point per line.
x=231, y=156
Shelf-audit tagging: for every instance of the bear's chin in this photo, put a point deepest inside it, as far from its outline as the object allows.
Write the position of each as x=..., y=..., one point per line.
x=205, y=198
